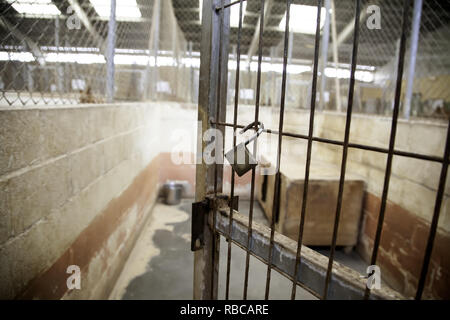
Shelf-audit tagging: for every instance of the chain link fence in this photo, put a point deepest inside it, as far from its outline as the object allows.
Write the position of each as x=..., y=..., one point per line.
x=56, y=52
x=427, y=95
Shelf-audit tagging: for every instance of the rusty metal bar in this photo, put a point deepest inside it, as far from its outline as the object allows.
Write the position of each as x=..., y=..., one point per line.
x=276, y=197
x=301, y=265
x=309, y=149
x=387, y=176
x=350, y=145
x=235, y=116
x=252, y=186
x=435, y=220
x=216, y=165
x=206, y=260
x=345, y=147
x=345, y=284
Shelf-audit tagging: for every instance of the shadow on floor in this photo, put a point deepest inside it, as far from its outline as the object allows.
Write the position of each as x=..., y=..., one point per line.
x=160, y=266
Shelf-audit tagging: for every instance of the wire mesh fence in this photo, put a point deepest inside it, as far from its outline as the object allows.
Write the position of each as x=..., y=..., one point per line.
x=56, y=52
x=380, y=29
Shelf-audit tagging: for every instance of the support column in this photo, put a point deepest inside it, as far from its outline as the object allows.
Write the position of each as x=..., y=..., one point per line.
x=412, y=57
x=289, y=60
x=110, y=53
x=324, y=60
x=272, y=78
x=59, y=71
x=191, y=74
x=335, y=56
x=155, y=46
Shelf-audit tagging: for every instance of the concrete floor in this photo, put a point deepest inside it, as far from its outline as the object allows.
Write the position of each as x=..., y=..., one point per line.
x=161, y=264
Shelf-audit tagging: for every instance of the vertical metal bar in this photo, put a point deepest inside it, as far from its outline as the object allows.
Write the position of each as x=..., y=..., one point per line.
x=337, y=85
x=216, y=238
x=308, y=153
x=206, y=260
x=272, y=77
x=153, y=38
x=235, y=116
x=191, y=74
x=30, y=78
x=412, y=57
x=110, y=53
x=324, y=60
x=435, y=220
x=276, y=198
x=387, y=176
x=154, y=46
x=289, y=56
x=175, y=55
x=252, y=185
x=345, y=147
x=59, y=75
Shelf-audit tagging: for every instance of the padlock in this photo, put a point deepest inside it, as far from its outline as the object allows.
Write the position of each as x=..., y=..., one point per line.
x=240, y=157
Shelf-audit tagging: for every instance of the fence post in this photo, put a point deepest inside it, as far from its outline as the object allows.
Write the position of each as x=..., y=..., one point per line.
x=110, y=53
x=206, y=260
x=324, y=60
x=412, y=57
x=191, y=74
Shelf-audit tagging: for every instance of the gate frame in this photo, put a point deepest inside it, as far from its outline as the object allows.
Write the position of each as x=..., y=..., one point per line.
x=340, y=281
x=211, y=107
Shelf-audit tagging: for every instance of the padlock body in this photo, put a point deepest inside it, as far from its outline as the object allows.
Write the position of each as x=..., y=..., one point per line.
x=241, y=159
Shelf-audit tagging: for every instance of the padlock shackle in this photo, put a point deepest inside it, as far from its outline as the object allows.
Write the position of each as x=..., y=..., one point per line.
x=252, y=125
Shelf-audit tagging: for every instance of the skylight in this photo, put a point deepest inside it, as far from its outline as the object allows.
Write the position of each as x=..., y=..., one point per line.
x=303, y=19
x=35, y=7
x=234, y=13
x=125, y=9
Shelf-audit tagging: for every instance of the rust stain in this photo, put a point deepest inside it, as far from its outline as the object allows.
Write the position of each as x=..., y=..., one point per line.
x=402, y=249
x=51, y=284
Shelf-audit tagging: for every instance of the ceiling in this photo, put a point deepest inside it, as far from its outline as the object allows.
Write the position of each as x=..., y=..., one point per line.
x=377, y=47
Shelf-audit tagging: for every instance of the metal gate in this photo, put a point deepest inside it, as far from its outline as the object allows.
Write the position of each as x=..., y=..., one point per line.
x=216, y=214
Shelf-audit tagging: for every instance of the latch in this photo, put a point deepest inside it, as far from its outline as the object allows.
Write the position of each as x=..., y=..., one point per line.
x=200, y=211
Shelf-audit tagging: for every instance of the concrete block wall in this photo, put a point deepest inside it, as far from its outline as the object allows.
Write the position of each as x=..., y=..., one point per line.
x=411, y=197
x=412, y=191
x=76, y=183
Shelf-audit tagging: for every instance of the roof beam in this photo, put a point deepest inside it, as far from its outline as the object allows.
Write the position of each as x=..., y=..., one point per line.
x=88, y=25
x=348, y=29
x=35, y=50
x=253, y=44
